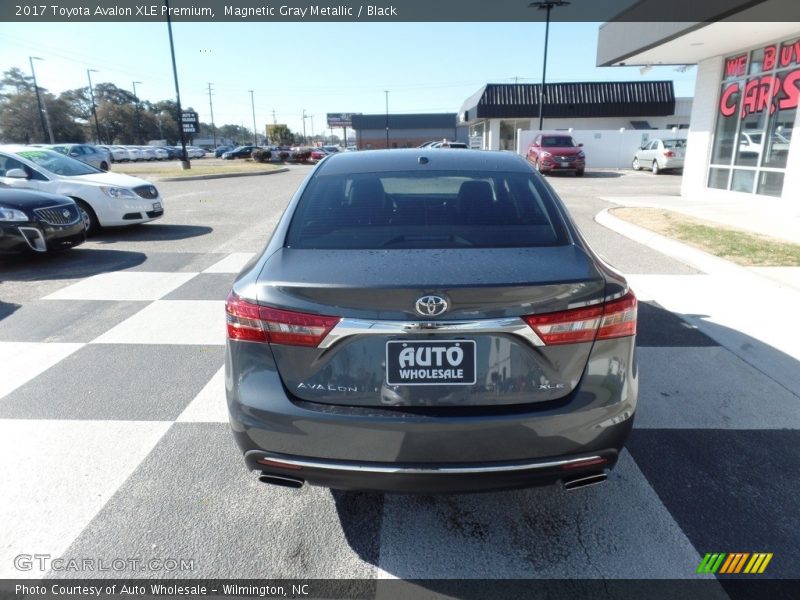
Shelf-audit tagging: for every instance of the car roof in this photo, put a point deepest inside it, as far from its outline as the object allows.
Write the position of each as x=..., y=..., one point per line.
x=442, y=159
x=14, y=148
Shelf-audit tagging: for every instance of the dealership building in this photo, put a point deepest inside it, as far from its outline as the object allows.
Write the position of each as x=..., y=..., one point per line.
x=744, y=113
x=497, y=112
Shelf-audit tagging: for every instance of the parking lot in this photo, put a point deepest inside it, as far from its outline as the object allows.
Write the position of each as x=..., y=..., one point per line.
x=115, y=441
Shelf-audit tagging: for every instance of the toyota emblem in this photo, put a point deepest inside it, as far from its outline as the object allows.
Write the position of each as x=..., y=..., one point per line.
x=431, y=306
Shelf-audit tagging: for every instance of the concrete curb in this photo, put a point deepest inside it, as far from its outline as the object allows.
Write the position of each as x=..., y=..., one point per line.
x=765, y=343
x=702, y=261
x=221, y=175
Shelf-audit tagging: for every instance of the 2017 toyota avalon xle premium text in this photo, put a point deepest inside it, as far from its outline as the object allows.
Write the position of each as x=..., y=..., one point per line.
x=429, y=321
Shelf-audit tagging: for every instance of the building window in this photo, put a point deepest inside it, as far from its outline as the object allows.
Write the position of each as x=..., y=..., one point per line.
x=755, y=120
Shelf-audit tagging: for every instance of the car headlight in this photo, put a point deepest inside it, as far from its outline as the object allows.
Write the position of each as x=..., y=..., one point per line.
x=546, y=154
x=12, y=214
x=581, y=155
x=115, y=192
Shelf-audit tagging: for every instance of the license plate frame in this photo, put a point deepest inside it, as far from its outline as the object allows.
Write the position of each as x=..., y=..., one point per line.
x=437, y=366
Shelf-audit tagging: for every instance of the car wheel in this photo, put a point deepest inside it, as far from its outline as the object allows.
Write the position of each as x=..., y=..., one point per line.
x=579, y=173
x=538, y=166
x=104, y=166
x=655, y=168
x=636, y=166
x=89, y=218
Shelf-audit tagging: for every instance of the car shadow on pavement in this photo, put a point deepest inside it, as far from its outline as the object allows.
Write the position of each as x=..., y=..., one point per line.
x=150, y=232
x=7, y=308
x=590, y=174
x=73, y=264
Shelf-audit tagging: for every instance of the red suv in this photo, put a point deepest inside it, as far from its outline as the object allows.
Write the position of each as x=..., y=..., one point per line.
x=557, y=152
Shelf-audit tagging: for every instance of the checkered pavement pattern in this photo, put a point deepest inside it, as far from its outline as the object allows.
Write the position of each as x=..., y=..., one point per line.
x=114, y=444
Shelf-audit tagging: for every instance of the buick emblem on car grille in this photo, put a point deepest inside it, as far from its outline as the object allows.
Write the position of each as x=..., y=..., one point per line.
x=431, y=306
x=65, y=213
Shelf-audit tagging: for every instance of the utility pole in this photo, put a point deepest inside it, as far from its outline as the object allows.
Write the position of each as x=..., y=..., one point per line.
x=253, y=104
x=304, y=126
x=548, y=6
x=38, y=97
x=138, y=119
x=211, y=107
x=274, y=119
x=94, y=108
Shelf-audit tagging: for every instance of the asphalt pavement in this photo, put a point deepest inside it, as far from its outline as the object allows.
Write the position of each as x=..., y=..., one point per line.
x=114, y=440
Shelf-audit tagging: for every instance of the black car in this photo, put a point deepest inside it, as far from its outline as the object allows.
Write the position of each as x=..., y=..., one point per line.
x=220, y=150
x=430, y=321
x=240, y=152
x=173, y=153
x=32, y=221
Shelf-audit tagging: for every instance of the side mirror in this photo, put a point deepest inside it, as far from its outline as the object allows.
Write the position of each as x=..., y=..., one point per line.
x=17, y=174
x=580, y=145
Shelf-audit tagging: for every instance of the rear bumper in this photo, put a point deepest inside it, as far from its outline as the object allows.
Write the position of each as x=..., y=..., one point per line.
x=431, y=479
x=449, y=450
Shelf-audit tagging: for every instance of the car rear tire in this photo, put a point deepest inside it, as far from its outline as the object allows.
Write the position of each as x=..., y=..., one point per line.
x=636, y=166
x=104, y=166
x=579, y=173
x=655, y=168
x=89, y=218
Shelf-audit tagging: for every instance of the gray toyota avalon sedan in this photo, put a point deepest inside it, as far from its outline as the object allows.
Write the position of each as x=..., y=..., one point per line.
x=429, y=321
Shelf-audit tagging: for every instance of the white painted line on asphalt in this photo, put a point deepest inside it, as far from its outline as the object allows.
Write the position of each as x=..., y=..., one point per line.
x=683, y=396
x=57, y=475
x=123, y=285
x=171, y=322
x=618, y=529
x=232, y=263
x=209, y=406
x=22, y=361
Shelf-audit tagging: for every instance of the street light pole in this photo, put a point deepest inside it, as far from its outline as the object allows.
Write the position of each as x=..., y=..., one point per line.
x=185, y=164
x=548, y=6
x=94, y=108
x=39, y=98
x=253, y=104
x=138, y=120
x=387, y=118
x=211, y=107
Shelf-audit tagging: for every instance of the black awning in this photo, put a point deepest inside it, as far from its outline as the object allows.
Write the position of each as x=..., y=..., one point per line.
x=564, y=100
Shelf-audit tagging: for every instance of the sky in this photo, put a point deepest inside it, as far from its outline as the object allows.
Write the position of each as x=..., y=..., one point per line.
x=317, y=67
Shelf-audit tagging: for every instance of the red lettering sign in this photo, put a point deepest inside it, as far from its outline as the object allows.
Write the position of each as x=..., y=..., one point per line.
x=790, y=54
x=735, y=67
x=727, y=103
x=791, y=87
x=770, y=54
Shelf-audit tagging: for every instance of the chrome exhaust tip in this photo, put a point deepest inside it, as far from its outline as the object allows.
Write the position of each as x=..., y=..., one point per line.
x=281, y=480
x=582, y=481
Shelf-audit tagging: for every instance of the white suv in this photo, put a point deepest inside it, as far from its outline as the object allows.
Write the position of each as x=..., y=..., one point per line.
x=105, y=199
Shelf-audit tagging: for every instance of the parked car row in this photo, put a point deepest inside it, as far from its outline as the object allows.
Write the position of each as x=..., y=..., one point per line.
x=140, y=153
x=46, y=195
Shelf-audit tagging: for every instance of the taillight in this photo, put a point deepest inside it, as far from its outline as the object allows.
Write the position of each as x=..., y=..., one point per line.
x=254, y=323
x=669, y=153
x=612, y=320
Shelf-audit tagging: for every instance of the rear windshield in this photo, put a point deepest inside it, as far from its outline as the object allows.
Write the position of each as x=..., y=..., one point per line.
x=441, y=209
x=674, y=143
